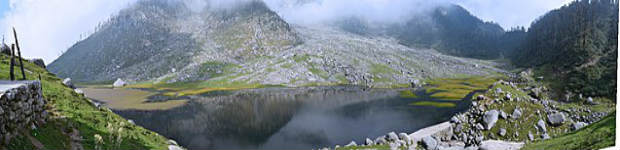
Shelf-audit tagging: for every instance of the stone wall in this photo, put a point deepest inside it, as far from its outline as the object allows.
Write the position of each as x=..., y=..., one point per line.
x=21, y=108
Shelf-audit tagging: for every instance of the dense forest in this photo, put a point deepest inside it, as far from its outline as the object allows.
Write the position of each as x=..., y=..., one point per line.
x=576, y=45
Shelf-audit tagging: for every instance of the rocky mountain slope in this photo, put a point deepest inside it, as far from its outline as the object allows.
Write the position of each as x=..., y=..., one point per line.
x=165, y=41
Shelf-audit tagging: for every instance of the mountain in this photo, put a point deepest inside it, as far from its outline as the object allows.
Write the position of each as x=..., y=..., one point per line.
x=157, y=37
x=163, y=41
x=575, y=46
x=448, y=28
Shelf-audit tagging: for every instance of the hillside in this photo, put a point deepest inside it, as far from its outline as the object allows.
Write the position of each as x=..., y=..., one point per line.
x=249, y=45
x=575, y=48
x=74, y=121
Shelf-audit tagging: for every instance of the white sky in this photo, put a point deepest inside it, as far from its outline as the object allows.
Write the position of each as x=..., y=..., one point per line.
x=47, y=27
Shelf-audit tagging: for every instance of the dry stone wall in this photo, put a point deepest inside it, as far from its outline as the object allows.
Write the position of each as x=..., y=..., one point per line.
x=21, y=108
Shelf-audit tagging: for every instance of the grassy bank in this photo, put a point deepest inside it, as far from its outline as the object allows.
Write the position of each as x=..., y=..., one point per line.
x=71, y=113
x=598, y=135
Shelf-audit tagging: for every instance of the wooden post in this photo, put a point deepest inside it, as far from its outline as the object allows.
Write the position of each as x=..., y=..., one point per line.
x=19, y=55
x=11, y=71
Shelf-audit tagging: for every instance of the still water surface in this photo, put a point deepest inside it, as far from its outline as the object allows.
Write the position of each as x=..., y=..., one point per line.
x=291, y=118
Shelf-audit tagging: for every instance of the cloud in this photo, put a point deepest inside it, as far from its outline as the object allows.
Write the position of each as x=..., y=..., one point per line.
x=47, y=27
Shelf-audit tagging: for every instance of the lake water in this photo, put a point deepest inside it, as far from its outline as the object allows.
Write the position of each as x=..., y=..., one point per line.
x=291, y=118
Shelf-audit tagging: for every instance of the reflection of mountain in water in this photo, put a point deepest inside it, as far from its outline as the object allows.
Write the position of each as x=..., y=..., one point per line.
x=292, y=118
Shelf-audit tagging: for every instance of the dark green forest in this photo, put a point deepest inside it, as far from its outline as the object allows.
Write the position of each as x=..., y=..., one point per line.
x=576, y=45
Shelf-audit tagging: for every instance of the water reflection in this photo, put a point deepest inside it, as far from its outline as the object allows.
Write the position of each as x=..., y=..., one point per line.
x=300, y=118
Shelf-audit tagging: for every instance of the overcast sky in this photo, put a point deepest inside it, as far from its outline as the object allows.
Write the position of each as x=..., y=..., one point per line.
x=48, y=27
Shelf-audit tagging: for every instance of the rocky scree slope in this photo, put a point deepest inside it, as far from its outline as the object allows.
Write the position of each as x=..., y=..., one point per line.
x=164, y=42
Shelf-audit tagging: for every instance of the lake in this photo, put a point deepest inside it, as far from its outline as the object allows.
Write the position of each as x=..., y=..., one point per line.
x=291, y=118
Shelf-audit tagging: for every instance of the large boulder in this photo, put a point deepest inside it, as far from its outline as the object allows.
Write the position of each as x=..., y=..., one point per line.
x=67, y=82
x=590, y=101
x=39, y=62
x=392, y=136
x=429, y=143
x=490, y=118
x=119, y=83
x=556, y=119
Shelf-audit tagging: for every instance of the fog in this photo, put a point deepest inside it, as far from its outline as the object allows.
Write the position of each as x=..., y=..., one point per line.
x=48, y=27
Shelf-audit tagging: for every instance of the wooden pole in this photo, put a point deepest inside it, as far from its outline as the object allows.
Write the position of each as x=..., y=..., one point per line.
x=19, y=53
x=11, y=71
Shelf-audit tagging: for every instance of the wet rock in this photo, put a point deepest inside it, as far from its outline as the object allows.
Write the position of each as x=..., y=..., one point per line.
x=429, y=143
x=556, y=119
x=541, y=126
x=490, y=118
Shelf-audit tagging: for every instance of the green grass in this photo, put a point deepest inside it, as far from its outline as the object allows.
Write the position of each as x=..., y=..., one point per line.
x=69, y=110
x=434, y=104
x=407, y=94
x=458, y=88
x=598, y=135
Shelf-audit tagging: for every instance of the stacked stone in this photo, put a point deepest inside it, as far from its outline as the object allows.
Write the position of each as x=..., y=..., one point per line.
x=21, y=107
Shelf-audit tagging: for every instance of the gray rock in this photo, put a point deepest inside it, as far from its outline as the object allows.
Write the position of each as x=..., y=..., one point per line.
x=503, y=114
x=429, y=143
x=172, y=142
x=541, y=126
x=490, y=118
x=380, y=140
x=578, y=125
x=556, y=119
x=38, y=61
x=530, y=136
x=455, y=119
x=516, y=114
x=502, y=132
x=498, y=90
x=479, y=126
x=369, y=142
x=392, y=136
x=480, y=97
x=119, y=83
x=590, y=101
x=174, y=147
x=78, y=91
x=351, y=144
x=67, y=82
x=508, y=96
x=545, y=136
x=404, y=137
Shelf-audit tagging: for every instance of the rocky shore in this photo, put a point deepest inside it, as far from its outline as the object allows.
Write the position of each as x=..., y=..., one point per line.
x=510, y=114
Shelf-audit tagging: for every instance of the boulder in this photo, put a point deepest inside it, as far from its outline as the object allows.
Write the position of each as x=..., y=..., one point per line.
x=541, y=126
x=380, y=140
x=429, y=143
x=590, y=101
x=556, y=119
x=404, y=137
x=503, y=114
x=351, y=144
x=508, y=97
x=67, y=82
x=502, y=132
x=530, y=136
x=490, y=118
x=545, y=136
x=174, y=147
x=78, y=91
x=480, y=97
x=455, y=119
x=119, y=83
x=516, y=113
x=498, y=90
x=39, y=62
x=369, y=142
x=392, y=136
x=578, y=125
